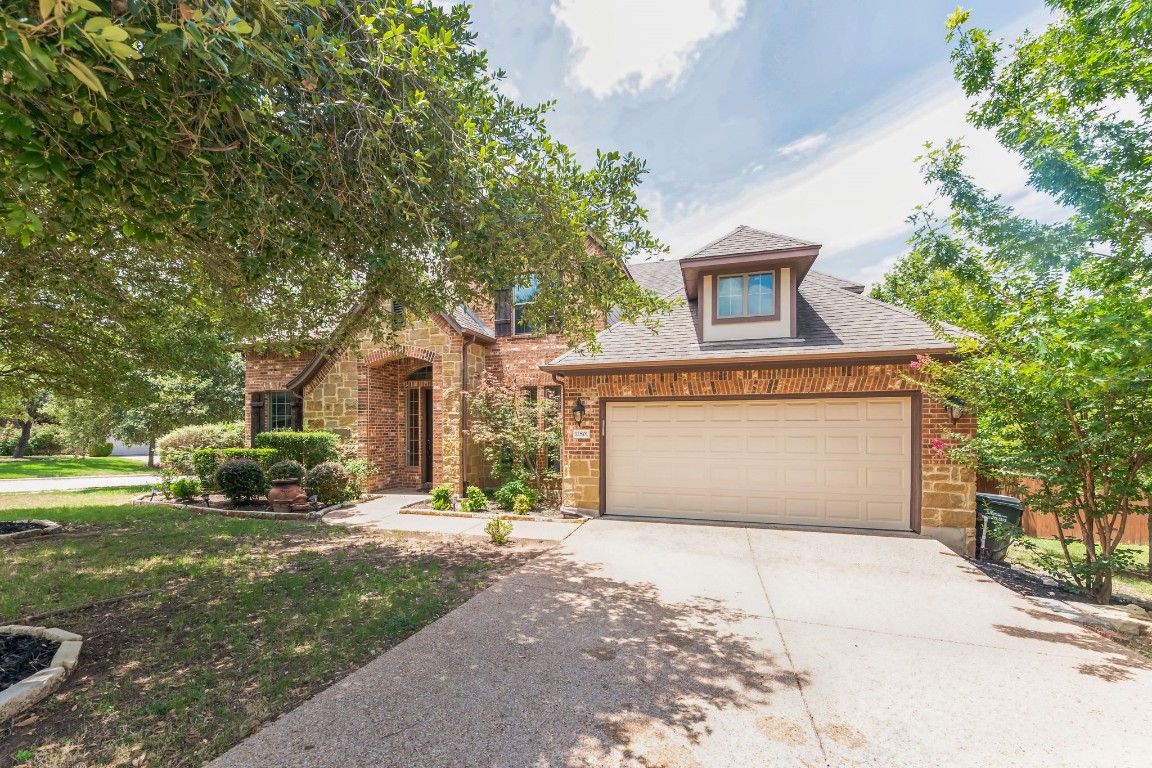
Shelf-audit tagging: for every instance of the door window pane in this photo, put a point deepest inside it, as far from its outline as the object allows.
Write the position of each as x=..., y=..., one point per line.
x=730, y=299
x=761, y=294
x=412, y=428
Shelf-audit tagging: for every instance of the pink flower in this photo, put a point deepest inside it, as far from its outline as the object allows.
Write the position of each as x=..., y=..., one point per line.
x=938, y=446
x=920, y=362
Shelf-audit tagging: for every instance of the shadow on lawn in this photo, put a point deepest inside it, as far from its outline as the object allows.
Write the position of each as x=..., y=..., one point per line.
x=555, y=666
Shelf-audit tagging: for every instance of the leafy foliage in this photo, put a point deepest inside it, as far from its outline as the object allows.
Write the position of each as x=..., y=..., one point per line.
x=308, y=448
x=266, y=166
x=207, y=461
x=328, y=482
x=477, y=501
x=442, y=497
x=522, y=505
x=100, y=450
x=508, y=493
x=185, y=488
x=1057, y=367
x=516, y=434
x=82, y=423
x=286, y=470
x=178, y=446
x=241, y=480
x=360, y=472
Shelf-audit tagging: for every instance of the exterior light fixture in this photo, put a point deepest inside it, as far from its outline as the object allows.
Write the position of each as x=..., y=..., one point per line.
x=206, y=498
x=955, y=408
x=578, y=411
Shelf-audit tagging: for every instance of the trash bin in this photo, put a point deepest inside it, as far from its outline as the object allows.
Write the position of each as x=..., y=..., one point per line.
x=1000, y=511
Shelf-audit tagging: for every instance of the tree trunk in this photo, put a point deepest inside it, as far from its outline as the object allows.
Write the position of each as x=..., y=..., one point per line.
x=25, y=436
x=1148, y=517
x=152, y=453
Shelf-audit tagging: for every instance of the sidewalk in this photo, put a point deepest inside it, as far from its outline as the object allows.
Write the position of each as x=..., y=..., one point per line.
x=384, y=512
x=38, y=484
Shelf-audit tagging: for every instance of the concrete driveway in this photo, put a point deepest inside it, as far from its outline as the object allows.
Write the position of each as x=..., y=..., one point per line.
x=650, y=644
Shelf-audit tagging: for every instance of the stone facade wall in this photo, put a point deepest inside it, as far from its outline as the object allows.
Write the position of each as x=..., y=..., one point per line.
x=948, y=489
x=266, y=373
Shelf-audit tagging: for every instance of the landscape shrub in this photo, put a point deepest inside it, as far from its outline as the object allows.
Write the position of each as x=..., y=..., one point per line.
x=442, y=497
x=286, y=470
x=498, y=529
x=328, y=482
x=506, y=496
x=522, y=505
x=477, y=501
x=359, y=472
x=308, y=448
x=185, y=488
x=265, y=457
x=176, y=448
x=44, y=441
x=241, y=480
x=101, y=450
x=206, y=461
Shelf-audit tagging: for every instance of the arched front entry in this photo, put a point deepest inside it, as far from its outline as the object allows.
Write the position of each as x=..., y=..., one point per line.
x=401, y=420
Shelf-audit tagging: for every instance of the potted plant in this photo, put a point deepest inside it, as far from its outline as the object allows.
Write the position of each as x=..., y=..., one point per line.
x=286, y=494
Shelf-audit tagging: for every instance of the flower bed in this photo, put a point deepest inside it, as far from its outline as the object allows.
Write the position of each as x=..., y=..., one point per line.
x=34, y=661
x=257, y=510
x=14, y=530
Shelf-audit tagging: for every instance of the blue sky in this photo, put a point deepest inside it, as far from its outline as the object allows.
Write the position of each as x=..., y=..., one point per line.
x=798, y=116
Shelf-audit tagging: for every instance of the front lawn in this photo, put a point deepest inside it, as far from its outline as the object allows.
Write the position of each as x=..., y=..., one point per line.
x=12, y=469
x=240, y=621
x=1136, y=583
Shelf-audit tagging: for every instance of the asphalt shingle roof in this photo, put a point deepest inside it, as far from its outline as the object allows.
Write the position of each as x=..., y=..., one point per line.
x=746, y=239
x=469, y=322
x=830, y=319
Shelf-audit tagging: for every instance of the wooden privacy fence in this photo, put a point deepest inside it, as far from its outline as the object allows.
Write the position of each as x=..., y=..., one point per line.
x=1045, y=526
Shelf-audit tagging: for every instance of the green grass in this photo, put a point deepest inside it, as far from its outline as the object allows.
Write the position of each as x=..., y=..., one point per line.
x=12, y=469
x=69, y=501
x=1138, y=584
x=255, y=617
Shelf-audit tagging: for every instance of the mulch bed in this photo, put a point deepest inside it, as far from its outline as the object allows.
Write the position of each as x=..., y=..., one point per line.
x=23, y=655
x=19, y=526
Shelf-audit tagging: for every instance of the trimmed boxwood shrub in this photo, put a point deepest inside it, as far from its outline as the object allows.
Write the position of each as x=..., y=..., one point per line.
x=176, y=448
x=506, y=496
x=286, y=470
x=241, y=480
x=100, y=450
x=206, y=461
x=328, y=482
x=308, y=448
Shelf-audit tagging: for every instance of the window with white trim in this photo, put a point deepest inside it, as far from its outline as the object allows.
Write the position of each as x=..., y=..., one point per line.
x=750, y=295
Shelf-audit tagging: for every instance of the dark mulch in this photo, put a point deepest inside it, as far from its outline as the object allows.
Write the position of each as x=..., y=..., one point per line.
x=16, y=527
x=23, y=655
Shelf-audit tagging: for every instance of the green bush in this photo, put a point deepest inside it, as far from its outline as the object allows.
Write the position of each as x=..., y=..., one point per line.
x=206, y=461
x=522, y=505
x=241, y=480
x=498, y=529
x=286, y=470
x=308, y=448
x=176, y=448
x=328, y=482
x=185, y=488
x=442, y=497
x=506, y=496
x=265, y=457
x=44, y=441
x=359, y=472
x=100, y=450
x=477, y=501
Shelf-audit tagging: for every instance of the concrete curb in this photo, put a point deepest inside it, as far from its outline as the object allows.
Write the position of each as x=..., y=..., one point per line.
x=489, y=516
x=22, y=696
x=49, y=528
x=1111, y=618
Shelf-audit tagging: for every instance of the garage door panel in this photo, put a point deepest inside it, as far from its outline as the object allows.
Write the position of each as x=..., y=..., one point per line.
x=844, y=462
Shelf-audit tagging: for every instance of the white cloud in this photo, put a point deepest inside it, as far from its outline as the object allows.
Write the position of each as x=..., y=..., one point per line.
x=859, y=190
x=631, y=45
x=804, y=145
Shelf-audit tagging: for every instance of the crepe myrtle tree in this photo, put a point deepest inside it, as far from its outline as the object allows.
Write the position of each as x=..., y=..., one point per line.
x=518, y=434
x=1055, y=361
x=278, y=163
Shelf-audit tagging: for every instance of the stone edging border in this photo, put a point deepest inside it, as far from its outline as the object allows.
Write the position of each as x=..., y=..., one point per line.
x=24, y=695
x=49, y=528
x=253, y=514
x=488, y=516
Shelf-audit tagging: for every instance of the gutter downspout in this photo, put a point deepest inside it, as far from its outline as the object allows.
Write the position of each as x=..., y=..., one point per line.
x=464, y=389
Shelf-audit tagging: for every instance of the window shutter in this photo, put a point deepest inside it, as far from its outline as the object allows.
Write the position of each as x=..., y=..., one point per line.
x=397, y=316
x=504, y=313
x=298, y=411
x=257, y=415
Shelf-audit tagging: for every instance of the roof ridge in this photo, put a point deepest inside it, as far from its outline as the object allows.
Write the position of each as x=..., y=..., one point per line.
x=706, y=246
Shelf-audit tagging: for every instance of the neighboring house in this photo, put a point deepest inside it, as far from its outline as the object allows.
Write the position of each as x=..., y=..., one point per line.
x=772, y=393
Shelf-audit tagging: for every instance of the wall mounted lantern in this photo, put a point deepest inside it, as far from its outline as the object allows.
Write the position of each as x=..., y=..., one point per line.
x=955, y=408
x=578, y=411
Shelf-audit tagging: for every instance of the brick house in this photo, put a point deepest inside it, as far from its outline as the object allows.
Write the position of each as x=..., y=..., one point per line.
x=772, y=393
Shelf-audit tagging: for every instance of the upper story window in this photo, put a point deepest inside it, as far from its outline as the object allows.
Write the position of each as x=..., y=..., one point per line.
x=746, y=296
x=521, y=299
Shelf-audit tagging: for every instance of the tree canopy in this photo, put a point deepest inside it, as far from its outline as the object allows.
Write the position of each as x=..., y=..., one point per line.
x=1057, y=365
x=272, y=163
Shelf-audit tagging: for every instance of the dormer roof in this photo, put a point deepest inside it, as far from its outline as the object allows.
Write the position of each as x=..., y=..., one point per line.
x=751, y=247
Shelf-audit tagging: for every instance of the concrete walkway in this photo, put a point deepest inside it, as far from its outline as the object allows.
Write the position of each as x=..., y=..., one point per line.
x=649, y=644
x=38, y=484
x=384, y=512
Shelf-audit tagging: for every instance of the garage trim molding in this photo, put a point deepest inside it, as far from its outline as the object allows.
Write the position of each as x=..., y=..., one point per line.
x=916, y=396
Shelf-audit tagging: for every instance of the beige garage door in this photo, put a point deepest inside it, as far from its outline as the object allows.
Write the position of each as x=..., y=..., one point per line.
x=839, y=462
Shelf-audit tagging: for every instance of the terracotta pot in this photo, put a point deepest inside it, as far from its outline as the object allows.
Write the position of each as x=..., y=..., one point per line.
x=285, y=493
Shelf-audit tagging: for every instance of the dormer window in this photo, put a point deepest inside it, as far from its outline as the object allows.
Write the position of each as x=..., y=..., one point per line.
x=750, y=296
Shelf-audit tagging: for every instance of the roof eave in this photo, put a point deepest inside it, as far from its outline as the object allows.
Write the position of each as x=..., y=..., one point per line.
x=749, y=362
